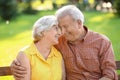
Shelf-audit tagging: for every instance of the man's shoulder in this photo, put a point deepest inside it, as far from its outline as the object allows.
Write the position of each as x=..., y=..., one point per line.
x=98, y=35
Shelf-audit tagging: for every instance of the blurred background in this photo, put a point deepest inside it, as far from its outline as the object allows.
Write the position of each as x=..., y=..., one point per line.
x=18, y=16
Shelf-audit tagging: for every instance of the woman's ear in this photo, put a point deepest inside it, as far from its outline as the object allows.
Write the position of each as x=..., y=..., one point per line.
x=43, y=33
x=79, y=22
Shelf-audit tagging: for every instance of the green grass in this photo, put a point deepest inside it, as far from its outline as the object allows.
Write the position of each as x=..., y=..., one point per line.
x=17, y=34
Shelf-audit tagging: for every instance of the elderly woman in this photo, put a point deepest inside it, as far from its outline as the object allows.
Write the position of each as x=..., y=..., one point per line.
x=40, y=58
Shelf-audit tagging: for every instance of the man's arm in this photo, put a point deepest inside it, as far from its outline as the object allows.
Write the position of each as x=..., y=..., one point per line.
x=21, y=67
x=105, y=78
x=107, y=62
x=63, y=71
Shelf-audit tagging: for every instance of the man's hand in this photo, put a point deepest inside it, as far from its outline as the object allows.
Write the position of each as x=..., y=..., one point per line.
x=105, y=78
x=17, y=70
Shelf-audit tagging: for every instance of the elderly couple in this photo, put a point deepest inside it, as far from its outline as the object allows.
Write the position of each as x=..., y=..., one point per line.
x=64, y=49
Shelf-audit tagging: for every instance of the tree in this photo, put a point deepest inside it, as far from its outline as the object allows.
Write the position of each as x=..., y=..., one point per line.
x=8, y=9
x=28, y=7
x=74, y=1
x=117, y=7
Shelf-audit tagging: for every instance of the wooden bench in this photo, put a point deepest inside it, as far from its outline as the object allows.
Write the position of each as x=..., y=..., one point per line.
x=5, y=71
x=118, y=68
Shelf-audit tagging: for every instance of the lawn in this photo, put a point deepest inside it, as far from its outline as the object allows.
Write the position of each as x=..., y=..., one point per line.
x=17, y=34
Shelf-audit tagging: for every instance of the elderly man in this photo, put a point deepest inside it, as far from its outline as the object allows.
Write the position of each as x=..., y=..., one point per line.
x=88, y=55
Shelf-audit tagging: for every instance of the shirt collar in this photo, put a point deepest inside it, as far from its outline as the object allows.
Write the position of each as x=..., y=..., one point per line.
x=35, y=51
x=79, y=40
x=53, y=52
x=86, y=29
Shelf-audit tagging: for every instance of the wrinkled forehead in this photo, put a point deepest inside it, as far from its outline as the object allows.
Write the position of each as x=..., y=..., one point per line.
x=65, y=20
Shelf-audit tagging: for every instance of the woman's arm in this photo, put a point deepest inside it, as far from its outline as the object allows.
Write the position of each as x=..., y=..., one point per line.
x=24, y=61
x=63, y=71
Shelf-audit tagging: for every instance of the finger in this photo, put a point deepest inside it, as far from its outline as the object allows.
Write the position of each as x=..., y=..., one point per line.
x=16, y=62
x=15, y=65
x=12, y=64
x=19, y=71
x=17, y=78
x=17, y=75
x=21, y=68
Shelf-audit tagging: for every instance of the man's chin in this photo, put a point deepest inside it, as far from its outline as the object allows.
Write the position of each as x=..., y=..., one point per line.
x=69, y=39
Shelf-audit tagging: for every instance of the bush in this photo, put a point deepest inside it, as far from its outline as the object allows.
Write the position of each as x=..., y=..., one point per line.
x=54, y=5
x=117, y=7
x=8, y=9
x=28, y=7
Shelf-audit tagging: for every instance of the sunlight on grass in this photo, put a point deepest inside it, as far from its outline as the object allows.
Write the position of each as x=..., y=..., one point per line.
x=97, y=19
x=12, y=47
x=100, y=18
x=10, y=50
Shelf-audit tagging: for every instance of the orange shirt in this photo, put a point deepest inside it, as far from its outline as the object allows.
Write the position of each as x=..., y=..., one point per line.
x=88, y=59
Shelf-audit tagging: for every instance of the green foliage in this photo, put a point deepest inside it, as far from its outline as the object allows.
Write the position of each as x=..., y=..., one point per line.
x=117, y=7
x=54, y=5
x=28, y=7
x=8, y=9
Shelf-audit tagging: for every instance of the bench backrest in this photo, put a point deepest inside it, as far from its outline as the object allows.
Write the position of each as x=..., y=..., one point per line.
x=118, y=68
x=5, y=71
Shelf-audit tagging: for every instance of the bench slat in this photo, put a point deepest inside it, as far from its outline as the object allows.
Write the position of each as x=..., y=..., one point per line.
x=118, y=65
x=118, y=77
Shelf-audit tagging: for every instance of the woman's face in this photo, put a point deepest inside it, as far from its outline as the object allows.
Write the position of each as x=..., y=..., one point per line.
x=53, y=34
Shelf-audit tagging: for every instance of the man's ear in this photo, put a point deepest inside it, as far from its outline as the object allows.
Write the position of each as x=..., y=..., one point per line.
x=79, y=23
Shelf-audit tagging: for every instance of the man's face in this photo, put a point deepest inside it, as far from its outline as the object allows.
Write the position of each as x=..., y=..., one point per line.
x=70, y=28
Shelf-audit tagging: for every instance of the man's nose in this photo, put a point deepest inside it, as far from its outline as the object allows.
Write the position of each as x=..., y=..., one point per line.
x=59, y=32
x=62, y=31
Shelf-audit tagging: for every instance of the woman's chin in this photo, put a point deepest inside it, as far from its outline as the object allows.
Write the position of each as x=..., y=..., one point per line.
x=56, y=42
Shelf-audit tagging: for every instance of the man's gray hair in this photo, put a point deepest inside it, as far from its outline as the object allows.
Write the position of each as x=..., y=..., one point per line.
x=43, y=24
x=71, y=10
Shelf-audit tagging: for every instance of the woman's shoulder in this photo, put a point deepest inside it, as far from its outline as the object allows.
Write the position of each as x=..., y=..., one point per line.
x=29, y=49
x=23, y=59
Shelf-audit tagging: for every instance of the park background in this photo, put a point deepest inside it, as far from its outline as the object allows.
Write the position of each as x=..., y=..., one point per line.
x=16, y=23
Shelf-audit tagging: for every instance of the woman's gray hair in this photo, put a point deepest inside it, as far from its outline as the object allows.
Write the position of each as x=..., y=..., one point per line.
x=43, y=24
x=71, y=10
